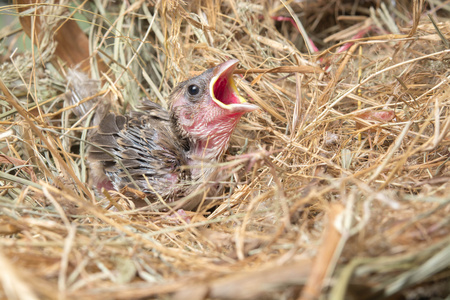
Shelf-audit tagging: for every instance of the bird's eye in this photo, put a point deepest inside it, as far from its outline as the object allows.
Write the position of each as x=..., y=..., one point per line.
x=193, y=90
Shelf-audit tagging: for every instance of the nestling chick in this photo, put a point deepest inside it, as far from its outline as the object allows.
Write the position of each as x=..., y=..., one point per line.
x=146, y=149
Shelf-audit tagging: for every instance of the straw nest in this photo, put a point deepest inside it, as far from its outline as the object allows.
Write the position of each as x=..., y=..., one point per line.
x=338, y=187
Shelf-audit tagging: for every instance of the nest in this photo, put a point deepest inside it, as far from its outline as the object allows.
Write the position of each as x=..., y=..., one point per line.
x=338, y=186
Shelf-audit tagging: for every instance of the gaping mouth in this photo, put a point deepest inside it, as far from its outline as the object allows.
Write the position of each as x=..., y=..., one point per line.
x=223, y=89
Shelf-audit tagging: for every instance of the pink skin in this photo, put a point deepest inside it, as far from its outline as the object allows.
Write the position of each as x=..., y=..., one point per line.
x=209, y=121
x=179, y=214
x=105, y=184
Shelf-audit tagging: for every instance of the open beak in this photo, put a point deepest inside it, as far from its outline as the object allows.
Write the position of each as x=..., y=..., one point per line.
x=223, y=89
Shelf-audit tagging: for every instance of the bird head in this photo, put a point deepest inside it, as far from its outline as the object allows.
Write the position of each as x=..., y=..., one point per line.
x=207, y=108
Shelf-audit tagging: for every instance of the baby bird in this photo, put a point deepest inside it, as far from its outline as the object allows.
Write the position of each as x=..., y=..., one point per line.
x=168, y=154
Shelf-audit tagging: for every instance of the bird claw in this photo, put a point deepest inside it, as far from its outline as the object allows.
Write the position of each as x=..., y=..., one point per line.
x=179, y=216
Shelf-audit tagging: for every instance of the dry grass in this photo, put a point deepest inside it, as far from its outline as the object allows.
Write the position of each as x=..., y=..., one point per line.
x=338, y=187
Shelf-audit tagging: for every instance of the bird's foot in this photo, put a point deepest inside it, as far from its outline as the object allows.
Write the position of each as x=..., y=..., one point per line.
x=179, y=217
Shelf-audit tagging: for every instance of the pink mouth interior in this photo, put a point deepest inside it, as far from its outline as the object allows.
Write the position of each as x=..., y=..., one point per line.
x=223, y=91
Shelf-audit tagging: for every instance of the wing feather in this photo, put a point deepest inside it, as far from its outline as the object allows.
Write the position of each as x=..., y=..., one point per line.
x=145, y=147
